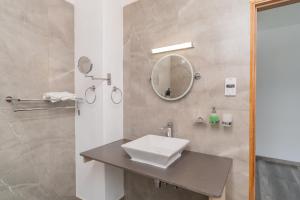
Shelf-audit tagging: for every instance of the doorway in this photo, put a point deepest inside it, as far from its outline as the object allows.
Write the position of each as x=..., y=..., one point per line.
x=275, y=47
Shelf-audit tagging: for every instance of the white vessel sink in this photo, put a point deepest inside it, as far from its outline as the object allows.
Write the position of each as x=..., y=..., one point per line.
x=156, y=150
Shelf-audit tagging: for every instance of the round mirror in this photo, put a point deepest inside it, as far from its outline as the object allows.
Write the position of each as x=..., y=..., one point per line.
x=172, y=77
x=85, y=65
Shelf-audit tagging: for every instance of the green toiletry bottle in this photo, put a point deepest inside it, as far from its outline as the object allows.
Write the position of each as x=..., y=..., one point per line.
x=214, y=119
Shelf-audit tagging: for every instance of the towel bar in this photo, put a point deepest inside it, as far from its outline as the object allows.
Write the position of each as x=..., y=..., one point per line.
x=34, y=109
x=11, y=100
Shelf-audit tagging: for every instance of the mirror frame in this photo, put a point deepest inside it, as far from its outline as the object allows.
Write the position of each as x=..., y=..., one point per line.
x=190, y=85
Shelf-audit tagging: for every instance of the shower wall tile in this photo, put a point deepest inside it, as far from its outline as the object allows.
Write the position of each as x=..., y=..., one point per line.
x=221, y=35
x=61, y=46
x=34, y=192
x=37, y=149
x=35, y=16
x=22, y=50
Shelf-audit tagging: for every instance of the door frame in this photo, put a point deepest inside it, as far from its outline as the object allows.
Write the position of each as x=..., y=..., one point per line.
x=256, y=6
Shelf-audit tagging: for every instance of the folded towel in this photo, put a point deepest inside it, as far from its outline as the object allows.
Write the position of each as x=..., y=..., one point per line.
x=55, y=97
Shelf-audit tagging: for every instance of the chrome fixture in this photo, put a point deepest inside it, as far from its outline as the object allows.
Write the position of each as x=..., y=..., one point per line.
x=169, y=129
x=10, y=99
x=200, y=120
x=36, y=109
x=93, y=90
x=114, y=99
x=13, y=101
x=85, y=66
x=114, y=91
x=197, y=76
x=108, y=78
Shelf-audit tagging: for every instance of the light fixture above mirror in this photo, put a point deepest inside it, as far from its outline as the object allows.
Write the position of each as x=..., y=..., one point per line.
x=186, y=45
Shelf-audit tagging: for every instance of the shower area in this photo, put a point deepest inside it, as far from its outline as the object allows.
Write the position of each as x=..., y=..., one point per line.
x=37, y=146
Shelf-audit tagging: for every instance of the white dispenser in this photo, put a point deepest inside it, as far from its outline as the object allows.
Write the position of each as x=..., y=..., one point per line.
x=230, y=87
x=227, y=120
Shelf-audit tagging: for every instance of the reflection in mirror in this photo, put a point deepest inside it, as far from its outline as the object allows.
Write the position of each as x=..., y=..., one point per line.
x=85, y=65
x=172, y=77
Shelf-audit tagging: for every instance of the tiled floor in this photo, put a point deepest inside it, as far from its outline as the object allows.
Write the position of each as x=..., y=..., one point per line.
x=277, y=181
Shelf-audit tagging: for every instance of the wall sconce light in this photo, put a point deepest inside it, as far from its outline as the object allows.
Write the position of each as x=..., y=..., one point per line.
x=175, y=47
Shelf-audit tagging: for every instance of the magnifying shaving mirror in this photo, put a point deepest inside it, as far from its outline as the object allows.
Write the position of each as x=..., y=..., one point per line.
x=85, y=65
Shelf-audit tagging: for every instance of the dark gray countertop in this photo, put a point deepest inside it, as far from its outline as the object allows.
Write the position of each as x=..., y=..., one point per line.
x=201, y=173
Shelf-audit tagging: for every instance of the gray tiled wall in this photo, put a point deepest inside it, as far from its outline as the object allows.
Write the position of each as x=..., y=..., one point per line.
x=36, y=56
x=220, y=32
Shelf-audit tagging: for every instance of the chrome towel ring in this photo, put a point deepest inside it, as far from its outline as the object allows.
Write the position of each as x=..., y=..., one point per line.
x=116, y=99
x=116, y=95
x=92, y=89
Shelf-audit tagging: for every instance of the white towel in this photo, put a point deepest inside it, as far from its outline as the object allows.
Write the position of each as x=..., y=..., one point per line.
x=55, y=97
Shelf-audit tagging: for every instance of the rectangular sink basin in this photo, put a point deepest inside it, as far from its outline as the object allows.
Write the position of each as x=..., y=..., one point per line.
x=156, y=150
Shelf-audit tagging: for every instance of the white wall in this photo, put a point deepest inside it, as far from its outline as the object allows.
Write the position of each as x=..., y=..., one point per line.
x=98, y=35
x=113, y=114
x=278, y=83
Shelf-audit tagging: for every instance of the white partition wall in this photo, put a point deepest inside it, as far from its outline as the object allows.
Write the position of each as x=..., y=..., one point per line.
x=112, y=37
x=98, y=35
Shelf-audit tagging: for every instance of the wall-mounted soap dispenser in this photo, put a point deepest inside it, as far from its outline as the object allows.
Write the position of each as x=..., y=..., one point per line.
x=214, y=118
